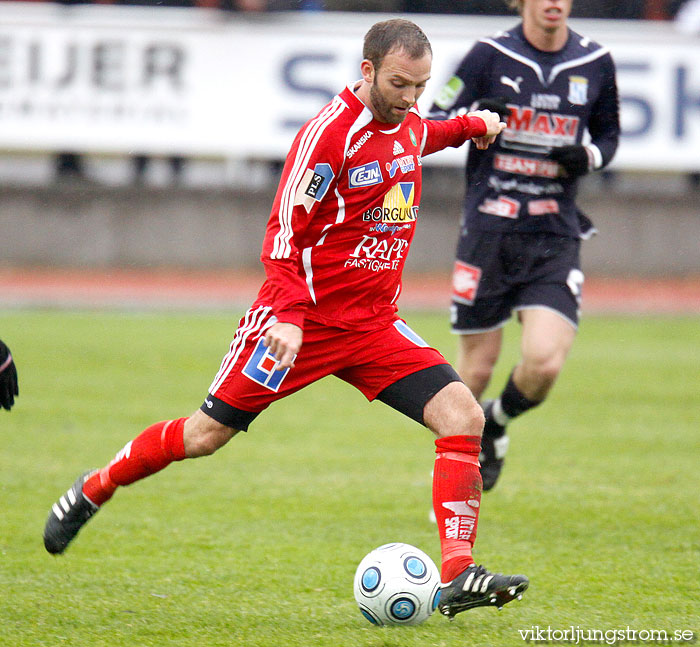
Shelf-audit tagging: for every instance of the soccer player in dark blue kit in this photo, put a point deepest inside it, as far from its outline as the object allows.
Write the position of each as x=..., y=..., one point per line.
x=8, y=378
x=521, y=230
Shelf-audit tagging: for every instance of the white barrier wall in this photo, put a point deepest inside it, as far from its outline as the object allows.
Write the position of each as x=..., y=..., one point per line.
x=107, y=79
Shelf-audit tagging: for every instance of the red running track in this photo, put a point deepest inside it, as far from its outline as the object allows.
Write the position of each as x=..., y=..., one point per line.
x=181, y=289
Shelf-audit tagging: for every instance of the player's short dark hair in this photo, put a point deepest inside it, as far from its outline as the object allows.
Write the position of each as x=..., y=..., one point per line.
x=515, y=4
x=397, y=33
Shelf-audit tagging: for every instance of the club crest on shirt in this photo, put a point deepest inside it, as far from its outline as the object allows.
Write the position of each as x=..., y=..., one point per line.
x=578, y=90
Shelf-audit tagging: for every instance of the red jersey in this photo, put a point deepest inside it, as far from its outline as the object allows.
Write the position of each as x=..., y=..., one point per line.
x=345, y=214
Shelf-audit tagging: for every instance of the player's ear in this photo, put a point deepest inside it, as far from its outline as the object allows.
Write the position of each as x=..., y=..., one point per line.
x=368, y=71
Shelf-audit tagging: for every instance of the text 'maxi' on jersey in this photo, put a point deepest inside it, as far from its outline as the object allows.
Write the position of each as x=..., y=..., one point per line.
x=553, y=97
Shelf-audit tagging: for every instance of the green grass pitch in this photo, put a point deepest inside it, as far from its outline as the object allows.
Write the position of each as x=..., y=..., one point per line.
x=257, y=545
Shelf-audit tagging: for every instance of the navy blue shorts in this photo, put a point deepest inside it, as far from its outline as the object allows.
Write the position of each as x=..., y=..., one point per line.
x=498, y=273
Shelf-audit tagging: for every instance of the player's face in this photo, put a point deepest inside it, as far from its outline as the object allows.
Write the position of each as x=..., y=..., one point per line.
x=548, y=15
x=397, y=85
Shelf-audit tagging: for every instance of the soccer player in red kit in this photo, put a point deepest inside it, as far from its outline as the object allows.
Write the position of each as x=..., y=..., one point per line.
x=334, y=250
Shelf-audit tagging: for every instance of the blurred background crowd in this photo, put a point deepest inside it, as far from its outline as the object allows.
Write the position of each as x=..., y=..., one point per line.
x=203, y=204
x=69, y=166
x=631, y=9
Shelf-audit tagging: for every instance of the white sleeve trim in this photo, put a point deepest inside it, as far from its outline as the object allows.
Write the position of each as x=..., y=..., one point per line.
x=595, y=156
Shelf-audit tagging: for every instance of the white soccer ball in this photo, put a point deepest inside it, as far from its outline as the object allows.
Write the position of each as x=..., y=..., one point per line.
x=397, y=584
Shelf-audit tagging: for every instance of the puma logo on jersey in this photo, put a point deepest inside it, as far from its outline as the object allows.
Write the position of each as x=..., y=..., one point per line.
x=513, y=84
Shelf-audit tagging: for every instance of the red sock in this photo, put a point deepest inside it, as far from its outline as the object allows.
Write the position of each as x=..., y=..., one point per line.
x=456, y=500
x=148, y=453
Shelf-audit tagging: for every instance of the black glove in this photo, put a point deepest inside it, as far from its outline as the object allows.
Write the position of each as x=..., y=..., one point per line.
x=8, y=378
x=574, y=159
x=495, y=104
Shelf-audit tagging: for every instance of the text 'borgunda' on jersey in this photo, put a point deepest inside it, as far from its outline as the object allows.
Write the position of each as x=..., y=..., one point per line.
x=345, y=213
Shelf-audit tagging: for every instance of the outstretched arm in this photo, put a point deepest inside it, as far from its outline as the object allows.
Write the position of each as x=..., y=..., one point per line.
x=481, y=126
x=494, y=127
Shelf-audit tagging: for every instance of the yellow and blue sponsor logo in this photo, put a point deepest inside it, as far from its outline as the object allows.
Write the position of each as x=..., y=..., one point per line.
x=397, y=206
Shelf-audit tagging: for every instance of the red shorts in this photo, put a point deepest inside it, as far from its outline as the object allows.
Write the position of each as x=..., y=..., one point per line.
x=369, y=360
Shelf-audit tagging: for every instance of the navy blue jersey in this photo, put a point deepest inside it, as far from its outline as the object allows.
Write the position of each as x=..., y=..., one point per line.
x=553, y=97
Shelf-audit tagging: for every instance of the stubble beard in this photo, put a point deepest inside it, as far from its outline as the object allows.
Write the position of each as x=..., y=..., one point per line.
x=382, y=107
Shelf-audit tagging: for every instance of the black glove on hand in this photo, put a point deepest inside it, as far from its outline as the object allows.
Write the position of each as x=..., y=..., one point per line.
x=8, y=378
x=574, y=159
x=495, y=104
